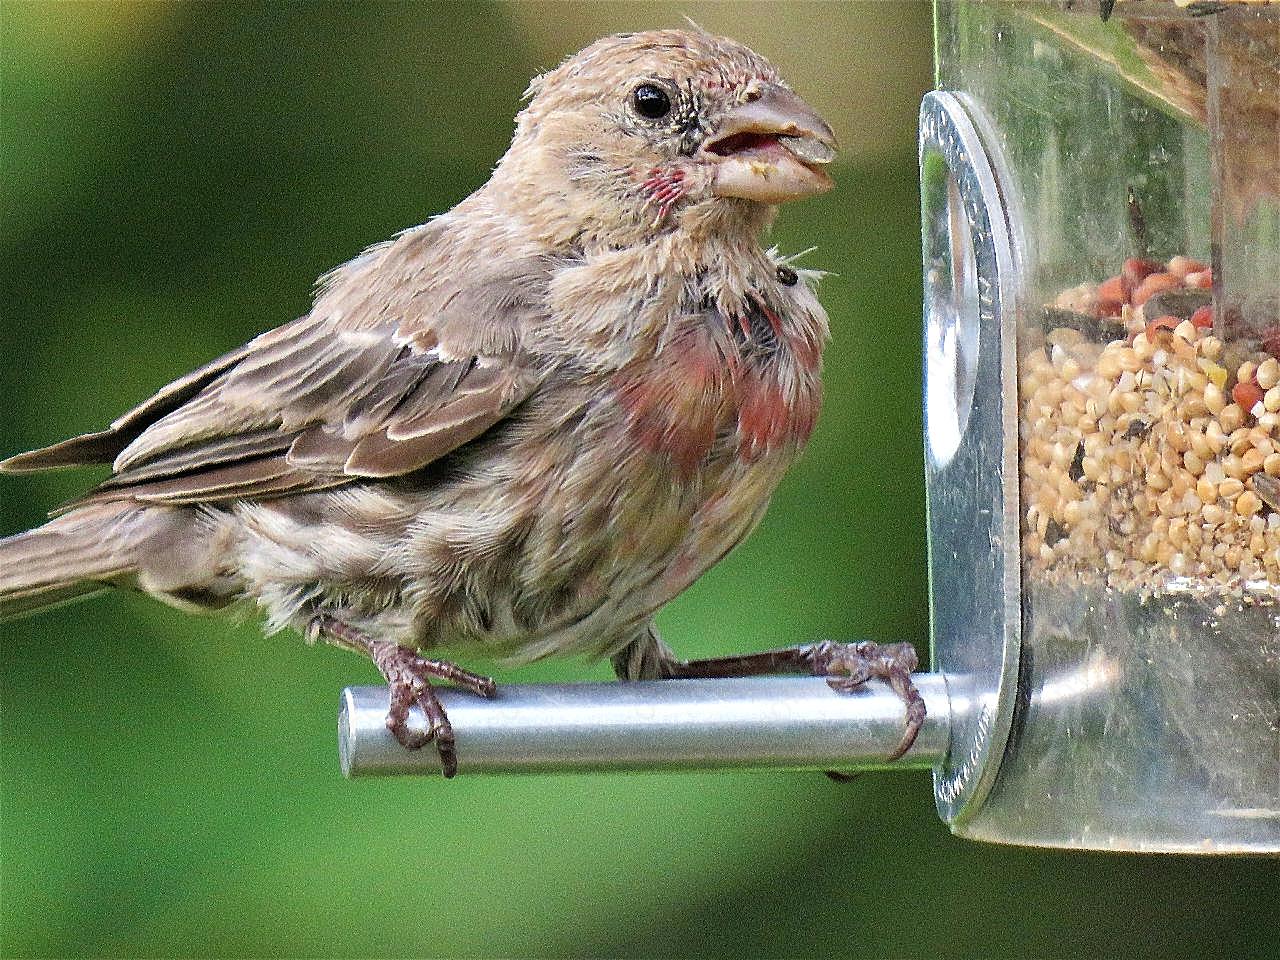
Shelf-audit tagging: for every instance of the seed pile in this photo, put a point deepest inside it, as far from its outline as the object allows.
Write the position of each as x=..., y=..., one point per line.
x=1151, y=460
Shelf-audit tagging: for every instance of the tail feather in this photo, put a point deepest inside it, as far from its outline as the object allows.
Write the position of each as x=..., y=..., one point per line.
x=65, y=559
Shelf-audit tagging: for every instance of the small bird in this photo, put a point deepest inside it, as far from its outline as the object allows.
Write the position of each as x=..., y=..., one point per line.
x=518, y=429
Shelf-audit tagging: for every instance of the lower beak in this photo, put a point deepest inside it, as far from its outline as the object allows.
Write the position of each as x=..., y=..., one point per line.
x=771, y=149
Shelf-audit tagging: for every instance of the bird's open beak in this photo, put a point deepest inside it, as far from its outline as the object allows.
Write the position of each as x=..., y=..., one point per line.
x=772, y=149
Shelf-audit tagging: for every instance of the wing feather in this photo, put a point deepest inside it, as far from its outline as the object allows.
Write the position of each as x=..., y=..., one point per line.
x=104, y=445
x=360, y=387
x=373, y=406
x=183, y=460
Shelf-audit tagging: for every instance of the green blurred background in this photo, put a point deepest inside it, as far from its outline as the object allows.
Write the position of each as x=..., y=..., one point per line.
x=172, y=178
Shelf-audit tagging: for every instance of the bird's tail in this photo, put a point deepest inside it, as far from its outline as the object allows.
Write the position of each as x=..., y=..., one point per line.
x=77, y=554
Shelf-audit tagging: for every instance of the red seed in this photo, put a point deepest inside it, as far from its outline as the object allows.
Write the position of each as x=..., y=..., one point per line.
x=1153, y=285
x=1246, y=394
x=1202, y=280
x=1203, y=317
x=1135, y=270
x=1167, y=322
x=1112, y=294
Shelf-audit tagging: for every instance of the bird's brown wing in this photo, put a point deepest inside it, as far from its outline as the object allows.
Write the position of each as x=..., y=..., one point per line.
x=325, y=399
x=105, y=445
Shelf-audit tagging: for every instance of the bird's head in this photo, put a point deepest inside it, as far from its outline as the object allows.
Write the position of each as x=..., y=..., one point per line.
x=649, y=131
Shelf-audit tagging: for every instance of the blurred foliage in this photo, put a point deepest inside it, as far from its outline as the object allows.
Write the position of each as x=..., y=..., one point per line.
x=174, y=177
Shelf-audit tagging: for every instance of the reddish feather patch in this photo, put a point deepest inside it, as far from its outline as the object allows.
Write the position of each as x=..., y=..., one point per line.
x=768, y=418
x=674, y=409
x=665, y=188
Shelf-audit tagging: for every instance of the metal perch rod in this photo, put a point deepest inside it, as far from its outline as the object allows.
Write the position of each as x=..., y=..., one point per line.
x=756, y=722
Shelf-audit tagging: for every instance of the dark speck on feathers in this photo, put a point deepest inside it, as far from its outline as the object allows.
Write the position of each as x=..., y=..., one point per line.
x=763, y=336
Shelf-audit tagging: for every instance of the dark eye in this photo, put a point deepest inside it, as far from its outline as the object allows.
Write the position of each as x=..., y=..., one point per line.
x=651, y=101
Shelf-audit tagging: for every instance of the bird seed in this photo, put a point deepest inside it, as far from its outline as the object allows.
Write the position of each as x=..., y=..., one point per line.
x=1150, y=445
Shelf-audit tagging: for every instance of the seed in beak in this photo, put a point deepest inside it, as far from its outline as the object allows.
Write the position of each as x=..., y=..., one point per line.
x=808, y=149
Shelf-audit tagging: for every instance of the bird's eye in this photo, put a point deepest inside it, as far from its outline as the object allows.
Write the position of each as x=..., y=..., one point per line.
x=651, y=101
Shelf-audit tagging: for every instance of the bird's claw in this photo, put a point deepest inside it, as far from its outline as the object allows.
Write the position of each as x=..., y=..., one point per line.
x=848, y=666
x=405, y=692
x=409, y=678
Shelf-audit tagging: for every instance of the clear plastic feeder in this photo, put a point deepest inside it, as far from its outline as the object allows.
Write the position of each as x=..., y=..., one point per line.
x=1102, y=287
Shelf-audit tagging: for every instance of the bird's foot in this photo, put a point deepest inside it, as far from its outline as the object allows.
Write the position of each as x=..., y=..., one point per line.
x=847, y=666
x=409, y=678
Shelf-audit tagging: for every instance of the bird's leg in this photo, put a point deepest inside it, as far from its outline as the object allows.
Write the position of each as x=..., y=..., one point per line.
x=409, y=678
x=846, y=666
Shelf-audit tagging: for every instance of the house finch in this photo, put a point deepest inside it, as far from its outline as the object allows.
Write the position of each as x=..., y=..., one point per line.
x=520, y=428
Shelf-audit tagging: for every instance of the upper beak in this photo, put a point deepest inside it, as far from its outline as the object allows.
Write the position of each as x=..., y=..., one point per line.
x=772, y=149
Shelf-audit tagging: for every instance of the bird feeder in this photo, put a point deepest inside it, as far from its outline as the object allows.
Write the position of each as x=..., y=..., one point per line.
x=1102, y=288
x=1101, y=242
